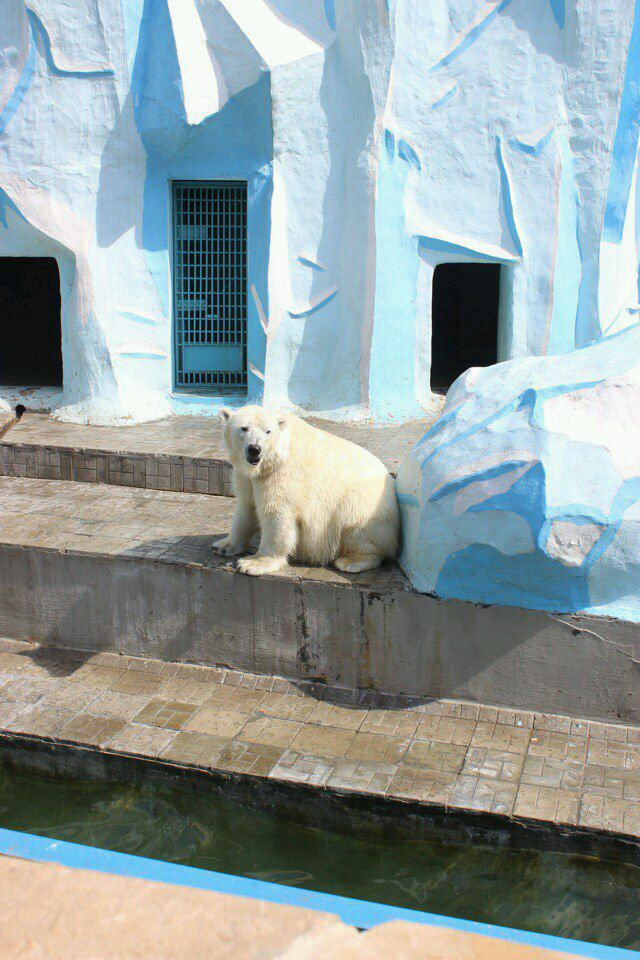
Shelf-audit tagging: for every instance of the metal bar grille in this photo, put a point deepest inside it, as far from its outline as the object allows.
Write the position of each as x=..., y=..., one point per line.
x=210, y=284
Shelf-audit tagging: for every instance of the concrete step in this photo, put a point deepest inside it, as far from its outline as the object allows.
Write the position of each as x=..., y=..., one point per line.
x=445, y=754
x=182, y=454
x=131, y=571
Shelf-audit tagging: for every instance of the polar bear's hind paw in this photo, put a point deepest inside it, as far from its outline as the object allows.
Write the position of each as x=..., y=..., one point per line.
x=358, y=564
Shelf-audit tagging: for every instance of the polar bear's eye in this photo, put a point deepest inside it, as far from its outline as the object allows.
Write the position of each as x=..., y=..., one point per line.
x=244, y=429
x=267, y=431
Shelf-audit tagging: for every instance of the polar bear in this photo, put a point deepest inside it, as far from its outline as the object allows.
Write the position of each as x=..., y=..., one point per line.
x=315, y=497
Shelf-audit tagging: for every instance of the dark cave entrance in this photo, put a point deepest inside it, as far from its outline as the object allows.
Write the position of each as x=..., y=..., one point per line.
x=31, y=349
x=464, y=320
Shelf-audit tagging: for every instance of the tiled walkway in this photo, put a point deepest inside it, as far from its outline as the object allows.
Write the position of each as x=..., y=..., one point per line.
x=94, y=519
x=448, y=753
x=183, y=454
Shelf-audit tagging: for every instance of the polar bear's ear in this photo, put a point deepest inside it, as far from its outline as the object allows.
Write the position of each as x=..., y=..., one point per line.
x=224, y=413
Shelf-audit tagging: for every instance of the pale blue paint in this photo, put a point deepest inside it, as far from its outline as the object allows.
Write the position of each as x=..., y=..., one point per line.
x=310, y=263
x=392, y=367
x=132, y=11
x=441, y=101
x=507, y=198
x=330, y=13
x=536, y=581
x=471, y=36
x=358, y=913
x=557, y=8
x=454, y=251
x=449, y=488
x=520, y=580
x=235, y=143
x=533, y=149
x=39, y=30
x=308, y=311
x=478, y=552
x=407, y=152
x=21, y=87
x=156, y=86
x=568, y=270
x=116, y=139
x=625, y=145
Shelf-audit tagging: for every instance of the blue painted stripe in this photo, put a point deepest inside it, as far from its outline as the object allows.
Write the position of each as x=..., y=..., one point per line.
x=469, y=38
x=330, y=13
x=625, y=144
x=444, y=98
x=358, y=913
x=21, y=87
x=557, y=8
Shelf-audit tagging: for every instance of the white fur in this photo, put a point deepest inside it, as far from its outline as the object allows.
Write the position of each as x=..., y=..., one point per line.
x=314, y=497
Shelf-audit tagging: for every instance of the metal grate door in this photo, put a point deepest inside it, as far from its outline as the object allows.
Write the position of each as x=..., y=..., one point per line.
x=210, y=285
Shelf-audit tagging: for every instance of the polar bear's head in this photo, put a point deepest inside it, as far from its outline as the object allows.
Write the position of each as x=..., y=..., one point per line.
x=257, y=440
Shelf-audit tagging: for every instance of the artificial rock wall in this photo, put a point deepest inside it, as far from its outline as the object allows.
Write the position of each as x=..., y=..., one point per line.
x=378, y=139
x=526, y=492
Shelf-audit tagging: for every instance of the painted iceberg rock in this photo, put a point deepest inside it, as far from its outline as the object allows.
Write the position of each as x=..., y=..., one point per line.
x=527, y=491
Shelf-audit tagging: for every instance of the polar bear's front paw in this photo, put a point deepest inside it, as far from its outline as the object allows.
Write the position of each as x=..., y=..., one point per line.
x=259, y=566
x=227, y=547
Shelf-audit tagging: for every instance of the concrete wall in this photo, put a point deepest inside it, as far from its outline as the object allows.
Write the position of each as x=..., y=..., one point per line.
x=389, y=639
x=378, y=140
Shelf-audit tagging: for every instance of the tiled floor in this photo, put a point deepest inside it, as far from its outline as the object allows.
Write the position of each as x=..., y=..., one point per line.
x=95, y=519
x=450, y=753
x=183, y=454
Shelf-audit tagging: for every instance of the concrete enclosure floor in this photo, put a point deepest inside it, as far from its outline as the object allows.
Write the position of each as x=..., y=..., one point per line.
x=183, y=454
x=132, y=571
x=519, y=766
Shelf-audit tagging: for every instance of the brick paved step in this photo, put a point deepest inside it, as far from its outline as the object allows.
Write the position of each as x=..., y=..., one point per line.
x=108, y=568
x=182, y=454
x=447, y=754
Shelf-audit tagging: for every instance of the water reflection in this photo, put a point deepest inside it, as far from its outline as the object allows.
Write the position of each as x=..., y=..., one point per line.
x=561, y=894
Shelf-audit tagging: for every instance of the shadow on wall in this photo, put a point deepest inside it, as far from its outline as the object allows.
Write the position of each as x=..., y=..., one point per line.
x=152, y=105
x=121, y=181
x=194, y=609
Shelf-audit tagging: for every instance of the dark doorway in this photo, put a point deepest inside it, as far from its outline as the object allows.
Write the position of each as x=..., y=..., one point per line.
x=464, y=320
x=31, y=333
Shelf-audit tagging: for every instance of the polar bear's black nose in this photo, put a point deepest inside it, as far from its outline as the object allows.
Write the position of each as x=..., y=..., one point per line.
x=253, y=453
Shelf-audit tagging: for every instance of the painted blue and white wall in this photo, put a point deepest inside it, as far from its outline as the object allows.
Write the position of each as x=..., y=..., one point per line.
x=378, y=139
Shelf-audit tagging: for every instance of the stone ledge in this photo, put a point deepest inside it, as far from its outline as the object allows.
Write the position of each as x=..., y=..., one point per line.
x=408, y=756
x=181, y=454
x=132, y=571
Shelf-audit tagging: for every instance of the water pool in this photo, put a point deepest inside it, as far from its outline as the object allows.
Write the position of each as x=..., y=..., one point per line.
x=563, y=894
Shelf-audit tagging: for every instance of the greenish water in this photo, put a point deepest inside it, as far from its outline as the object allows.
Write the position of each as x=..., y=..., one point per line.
x=549, y=892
